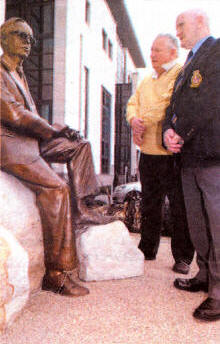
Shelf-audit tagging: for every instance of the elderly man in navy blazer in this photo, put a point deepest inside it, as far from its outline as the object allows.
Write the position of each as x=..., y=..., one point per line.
x=192, y=127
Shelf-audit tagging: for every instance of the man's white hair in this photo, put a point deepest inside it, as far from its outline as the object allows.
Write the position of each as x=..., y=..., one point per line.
x=172, y=42
x=196, y=12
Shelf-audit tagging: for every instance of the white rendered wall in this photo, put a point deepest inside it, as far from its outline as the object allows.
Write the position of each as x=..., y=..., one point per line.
x=59, y=77
x=84, y=48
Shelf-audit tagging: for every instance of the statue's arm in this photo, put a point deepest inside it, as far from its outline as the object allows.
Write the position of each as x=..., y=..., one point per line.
x=18, y=118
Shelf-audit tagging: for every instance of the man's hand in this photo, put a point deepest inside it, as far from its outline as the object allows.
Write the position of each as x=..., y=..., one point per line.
x=172, y=141
x=138, y=139
x=138, y=129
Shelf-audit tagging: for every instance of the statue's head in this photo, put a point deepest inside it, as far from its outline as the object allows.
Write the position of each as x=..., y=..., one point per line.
x=16, y=37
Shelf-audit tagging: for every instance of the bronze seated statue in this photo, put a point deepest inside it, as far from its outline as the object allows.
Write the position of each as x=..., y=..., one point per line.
x=28, y=145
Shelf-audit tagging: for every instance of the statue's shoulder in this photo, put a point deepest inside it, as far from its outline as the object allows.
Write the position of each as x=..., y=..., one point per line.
x=3, y=68
x=4, y=72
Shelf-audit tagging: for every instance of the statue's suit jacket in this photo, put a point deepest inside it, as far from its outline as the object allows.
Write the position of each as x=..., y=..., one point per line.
x=22, y=129
x=21, y=125
x=194, y=110
x=28, y=145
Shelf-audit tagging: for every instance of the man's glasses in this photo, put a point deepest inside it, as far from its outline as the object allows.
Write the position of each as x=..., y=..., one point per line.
x=24, y=36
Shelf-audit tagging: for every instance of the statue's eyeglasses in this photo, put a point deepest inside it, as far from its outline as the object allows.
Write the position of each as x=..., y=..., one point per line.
x=24, y=36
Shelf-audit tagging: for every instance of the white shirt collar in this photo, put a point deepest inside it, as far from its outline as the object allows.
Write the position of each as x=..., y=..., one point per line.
x=166, y=66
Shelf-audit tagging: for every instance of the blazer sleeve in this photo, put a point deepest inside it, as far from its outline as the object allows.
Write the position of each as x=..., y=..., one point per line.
x=167, y=122
x=203, y=105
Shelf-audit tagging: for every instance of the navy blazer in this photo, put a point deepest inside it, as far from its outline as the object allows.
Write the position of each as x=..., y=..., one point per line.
x=194, y=110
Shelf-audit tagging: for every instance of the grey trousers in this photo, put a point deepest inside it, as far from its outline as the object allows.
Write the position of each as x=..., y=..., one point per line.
x=201, y=187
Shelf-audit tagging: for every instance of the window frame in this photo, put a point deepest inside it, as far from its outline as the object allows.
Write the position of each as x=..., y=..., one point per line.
x=106, y=131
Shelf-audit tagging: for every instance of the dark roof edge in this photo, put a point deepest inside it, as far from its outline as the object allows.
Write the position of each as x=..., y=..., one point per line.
x=126, y=32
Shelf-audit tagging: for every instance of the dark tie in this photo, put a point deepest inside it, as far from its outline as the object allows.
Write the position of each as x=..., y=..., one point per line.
x=181, y=74
x=188, y=59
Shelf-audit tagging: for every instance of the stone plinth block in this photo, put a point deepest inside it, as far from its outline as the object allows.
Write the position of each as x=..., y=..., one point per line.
x=108, y=252
x=21, y=247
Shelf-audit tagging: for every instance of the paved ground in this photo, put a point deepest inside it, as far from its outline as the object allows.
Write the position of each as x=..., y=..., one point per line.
x=143, y=310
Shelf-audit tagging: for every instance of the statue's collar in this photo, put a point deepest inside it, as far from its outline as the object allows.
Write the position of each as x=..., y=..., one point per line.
x=10, y=65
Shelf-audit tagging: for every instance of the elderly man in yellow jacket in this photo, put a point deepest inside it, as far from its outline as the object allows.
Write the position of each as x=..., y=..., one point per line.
x=159, y=169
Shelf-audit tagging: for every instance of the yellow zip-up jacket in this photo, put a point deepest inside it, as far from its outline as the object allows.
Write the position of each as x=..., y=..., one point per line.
x=149, y=103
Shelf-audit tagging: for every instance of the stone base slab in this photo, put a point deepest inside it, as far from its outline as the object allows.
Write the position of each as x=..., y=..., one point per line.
x=108, y=252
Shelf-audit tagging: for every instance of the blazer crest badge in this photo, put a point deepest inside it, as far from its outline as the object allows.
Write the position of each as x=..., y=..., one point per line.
x=196, y=79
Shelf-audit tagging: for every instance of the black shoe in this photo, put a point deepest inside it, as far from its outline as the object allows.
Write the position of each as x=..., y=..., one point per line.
x=146, y=257
x=181, y=267
x=192, y=284
x=209, y=310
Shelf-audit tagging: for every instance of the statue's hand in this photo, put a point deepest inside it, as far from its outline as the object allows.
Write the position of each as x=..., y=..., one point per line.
x=70, y=134
x=59, y=126
x=57, y=129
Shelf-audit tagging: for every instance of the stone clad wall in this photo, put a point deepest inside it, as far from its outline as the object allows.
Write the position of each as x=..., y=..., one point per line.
x=21, y=248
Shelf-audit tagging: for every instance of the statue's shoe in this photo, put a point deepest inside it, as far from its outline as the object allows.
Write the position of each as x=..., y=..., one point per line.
x=94, y=218
x=60, y=283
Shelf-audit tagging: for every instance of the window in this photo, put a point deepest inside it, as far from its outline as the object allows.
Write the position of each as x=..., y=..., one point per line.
x=110, y=49
x=104, y=40
x=87, y=12
x=39, y=66
x=122, y=132
x=107, y=44
x=106, y=129
x=86, y=70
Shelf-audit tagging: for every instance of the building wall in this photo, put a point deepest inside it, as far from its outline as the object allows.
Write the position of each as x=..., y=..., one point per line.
x=84, y=49
x=127, y=73
x=125, y=65
x=59, y=77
